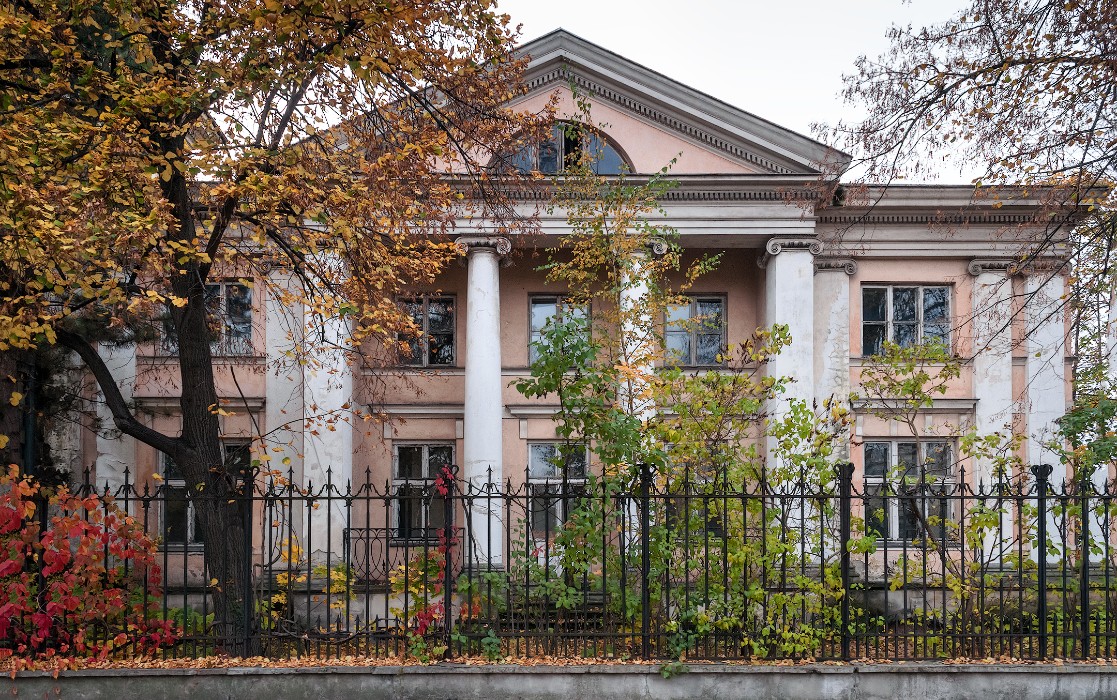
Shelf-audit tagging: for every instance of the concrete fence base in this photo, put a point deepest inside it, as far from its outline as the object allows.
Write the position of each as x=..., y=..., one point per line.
x=913, y=681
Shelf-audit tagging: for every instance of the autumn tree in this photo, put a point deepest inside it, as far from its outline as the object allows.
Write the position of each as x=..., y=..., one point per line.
x=151, y=146
x=1023, y=91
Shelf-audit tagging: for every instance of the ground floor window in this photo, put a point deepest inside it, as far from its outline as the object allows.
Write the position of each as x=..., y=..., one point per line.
x=556, y=479
x=907, y=488
x=418, y=510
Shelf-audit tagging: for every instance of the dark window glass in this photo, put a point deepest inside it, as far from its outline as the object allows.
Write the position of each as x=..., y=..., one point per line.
x=434, y=319
x=694, y=332
x=876, y=458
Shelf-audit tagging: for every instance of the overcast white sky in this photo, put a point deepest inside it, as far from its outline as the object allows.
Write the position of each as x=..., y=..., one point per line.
x=782, y=60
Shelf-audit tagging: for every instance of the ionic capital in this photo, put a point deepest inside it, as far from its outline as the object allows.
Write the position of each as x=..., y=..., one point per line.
x=847, y=265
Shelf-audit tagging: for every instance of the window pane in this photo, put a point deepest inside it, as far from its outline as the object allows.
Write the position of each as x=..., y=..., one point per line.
x=542, y=310
x=171, y=472
x=439, y=456
x=904, y=334
x=874, y=304
x=175, y=515
x=238, y=457
x=441, y=349
x=876, y=458
x=524, y=159
x=936, y=333
x=937, y=460
x=409, y=512
x=238, y=318
x=872, y=339
x=543, y=461
x=678, y=348
x=709, y=347
x=709, y=310
x=549, y=157
x=876, y=511
x=677, y=315
x=436, y=513
x=906, y=458
x=440, y=314
x=909, y=505
x=936, y=305
x=576, y=462
x=545, y=509
x=904, y=304
x=409, y=462
x=606, y=160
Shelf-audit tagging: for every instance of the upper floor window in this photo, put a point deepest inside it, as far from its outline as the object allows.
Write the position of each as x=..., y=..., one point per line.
x=549, y=309
x=434, y=319
x=229, y=318
x=905, y=316
x=695, y=331
x=563, y=148
x=556, y=475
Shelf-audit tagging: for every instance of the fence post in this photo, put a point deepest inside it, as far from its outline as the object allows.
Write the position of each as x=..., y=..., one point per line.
x=845, y=499
x=1084, y=487
x=645, y=559
x=449, y=475
x=1042, y=472
x=248, y=597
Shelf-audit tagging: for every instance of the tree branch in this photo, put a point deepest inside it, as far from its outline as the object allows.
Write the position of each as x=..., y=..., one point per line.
x=122, y=416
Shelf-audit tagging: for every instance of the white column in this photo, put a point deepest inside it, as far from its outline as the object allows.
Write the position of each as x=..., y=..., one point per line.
x=1046, y=380
x=992, y=379
x=789, y=300
x=484, y=408
x=831, y=327
x=328, y=437
x=636, y=335
x=116, y=452
x=284, y=335
x=992, y=353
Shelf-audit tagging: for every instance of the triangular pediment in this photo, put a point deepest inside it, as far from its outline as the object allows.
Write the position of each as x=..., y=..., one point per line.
x=653, y=118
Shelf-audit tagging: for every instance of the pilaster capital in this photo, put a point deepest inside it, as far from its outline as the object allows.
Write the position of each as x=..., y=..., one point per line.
x=846, y=265
x=470, y=244
x=1008, y=266
x=775, y=246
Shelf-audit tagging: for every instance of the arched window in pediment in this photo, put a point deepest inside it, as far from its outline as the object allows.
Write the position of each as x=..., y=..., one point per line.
x=566, y=142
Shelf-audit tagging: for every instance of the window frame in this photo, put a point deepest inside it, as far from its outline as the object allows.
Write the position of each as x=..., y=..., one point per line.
x=222, y=346
x=422, y=358
x=920, y=323
x=890, y=487
x=526, y=159
x=694, y=331
x=550, y=489
x=563, y=307
x=192, y=540
x=425, y=486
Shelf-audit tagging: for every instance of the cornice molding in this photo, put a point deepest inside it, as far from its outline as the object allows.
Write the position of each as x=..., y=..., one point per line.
x=975, y=217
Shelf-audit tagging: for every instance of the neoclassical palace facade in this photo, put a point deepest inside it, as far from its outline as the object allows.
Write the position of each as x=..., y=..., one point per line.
x=911, y=263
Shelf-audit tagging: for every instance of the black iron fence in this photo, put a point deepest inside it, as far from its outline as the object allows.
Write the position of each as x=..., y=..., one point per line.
x=682, y=565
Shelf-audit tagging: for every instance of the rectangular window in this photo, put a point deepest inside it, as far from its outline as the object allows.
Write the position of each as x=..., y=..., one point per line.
x=229, y=317
x=907, y=494
x=180, y=526
x=549, y=309
x=695, y=332
x=434, y=345
x=905, y=316
x=556, y=475
x=419, y=511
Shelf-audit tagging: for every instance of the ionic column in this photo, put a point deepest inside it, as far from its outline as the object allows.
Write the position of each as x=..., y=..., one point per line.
x=636, y=331
x=284, y=331
x=789, y=300
x=327, y=401
x=831, y=327
x=116, y=452
x=992, y=379
x=484, y=408
x=992, y=352
x=1046, y=378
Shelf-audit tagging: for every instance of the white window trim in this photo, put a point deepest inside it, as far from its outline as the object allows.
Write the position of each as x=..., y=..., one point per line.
x=542, y=486
x=889, y=311
x=892, y=514
x=693, y=329
x=425, y=484
x=423, y=359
